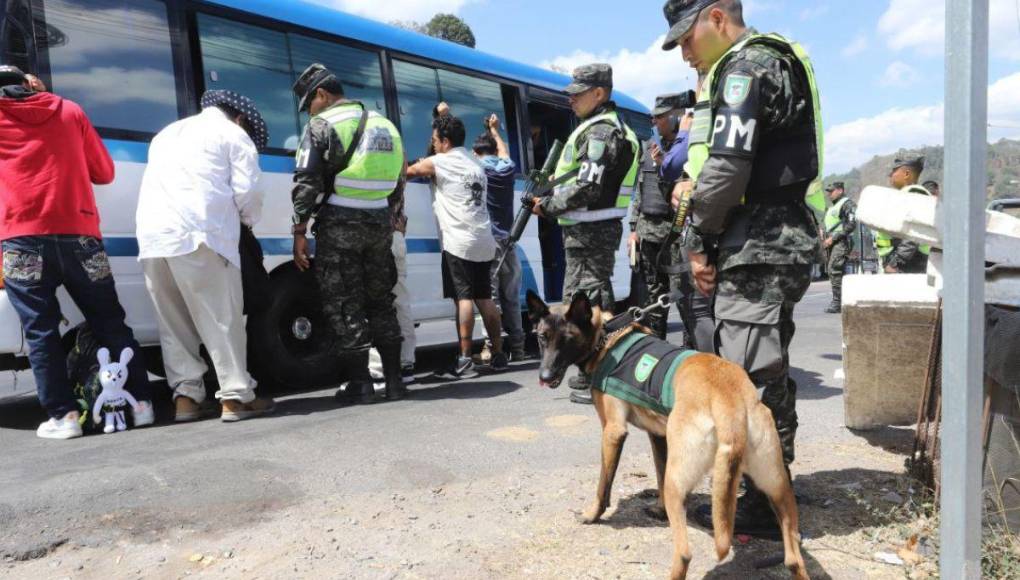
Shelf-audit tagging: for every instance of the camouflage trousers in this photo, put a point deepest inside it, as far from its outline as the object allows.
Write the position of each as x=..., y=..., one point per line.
x=356, y=273
x=590, y=250
x=754, y=327
x=657, y=284
x=838, y=254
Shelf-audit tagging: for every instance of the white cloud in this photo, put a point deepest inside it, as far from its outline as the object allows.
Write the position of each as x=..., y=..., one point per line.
x=813, y=12
x=850, y=144
x=899, y=74
x=858, y=45
x=642, y=75
x=920, y=26
x=390, y=10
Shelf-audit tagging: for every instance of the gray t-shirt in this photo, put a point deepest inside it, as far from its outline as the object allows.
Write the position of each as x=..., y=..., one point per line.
x=460, y=206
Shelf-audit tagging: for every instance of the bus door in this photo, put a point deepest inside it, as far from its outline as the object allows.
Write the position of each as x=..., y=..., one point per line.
x=551, y=119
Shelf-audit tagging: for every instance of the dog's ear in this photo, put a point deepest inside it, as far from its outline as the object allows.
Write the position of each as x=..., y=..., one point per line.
x=537, y=308
x=580, y=312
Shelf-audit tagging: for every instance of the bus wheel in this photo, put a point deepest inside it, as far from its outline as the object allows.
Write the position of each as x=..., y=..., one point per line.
x=292, y=345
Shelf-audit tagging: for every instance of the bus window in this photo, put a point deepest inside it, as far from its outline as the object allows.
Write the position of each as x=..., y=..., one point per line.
x=473, y=100
x=15, y=42
x=254, y=62
x=640, y=123
x=358, y=70
x=417, y=95
x=113, y=58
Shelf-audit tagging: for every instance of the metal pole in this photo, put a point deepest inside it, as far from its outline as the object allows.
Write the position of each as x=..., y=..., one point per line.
x=965, y=177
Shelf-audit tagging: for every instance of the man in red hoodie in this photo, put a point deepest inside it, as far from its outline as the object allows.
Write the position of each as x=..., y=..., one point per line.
x=50, y=155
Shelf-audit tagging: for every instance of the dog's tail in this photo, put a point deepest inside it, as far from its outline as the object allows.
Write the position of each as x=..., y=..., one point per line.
x=731, y=434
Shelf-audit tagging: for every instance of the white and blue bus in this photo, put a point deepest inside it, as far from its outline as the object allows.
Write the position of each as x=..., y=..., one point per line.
x=137, y=65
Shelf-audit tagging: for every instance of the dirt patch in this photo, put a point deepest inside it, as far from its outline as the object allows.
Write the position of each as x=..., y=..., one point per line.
x=516, y=434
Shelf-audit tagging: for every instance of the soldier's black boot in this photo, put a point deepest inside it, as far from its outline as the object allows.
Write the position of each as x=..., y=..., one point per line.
x=582, y=389
x=360, y=388
x=395, y=388
x=834, y=308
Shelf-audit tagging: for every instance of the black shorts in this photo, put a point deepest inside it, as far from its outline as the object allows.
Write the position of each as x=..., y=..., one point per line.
x=466, y=280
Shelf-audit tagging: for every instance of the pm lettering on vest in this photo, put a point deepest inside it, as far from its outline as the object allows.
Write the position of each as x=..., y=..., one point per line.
x=591, y=172
x=732, y=134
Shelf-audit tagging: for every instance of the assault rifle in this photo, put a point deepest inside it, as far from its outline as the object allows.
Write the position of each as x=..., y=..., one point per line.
x=538, y=184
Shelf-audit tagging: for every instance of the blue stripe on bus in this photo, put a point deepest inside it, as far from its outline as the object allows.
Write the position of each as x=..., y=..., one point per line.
x=138, y=152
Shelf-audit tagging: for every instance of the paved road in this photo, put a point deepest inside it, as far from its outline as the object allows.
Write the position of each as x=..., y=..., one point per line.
x=169, y=483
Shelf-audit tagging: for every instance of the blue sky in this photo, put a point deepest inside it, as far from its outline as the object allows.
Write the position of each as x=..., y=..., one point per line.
x=879, y=62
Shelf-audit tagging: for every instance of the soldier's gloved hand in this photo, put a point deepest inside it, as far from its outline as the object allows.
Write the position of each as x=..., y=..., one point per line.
x=301, y=252
x=703, y=273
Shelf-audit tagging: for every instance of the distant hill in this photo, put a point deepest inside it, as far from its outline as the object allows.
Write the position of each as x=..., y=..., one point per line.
x=1003, y=169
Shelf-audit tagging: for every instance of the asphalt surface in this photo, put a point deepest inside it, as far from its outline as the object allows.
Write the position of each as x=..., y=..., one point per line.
x=146, y=485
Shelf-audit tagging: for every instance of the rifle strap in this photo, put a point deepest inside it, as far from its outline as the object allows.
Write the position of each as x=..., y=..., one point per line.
x=664, y=261
x=348, y=154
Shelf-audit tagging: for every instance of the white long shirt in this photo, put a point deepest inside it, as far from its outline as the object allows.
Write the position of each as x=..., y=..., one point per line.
x=460, y=206
x=198, y=187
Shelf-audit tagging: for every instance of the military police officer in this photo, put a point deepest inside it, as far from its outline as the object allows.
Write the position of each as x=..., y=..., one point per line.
x=355, y=159
x=602, y=155
x=840, y=223
x=651, y=217
x=898, y=255
x=755, y=156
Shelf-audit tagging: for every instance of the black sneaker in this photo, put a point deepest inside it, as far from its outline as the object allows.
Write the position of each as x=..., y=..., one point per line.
x=462, y=368
x=834, y=308
x=407, y=374
x=518, y=354
x=753, y=519
x=499, y=362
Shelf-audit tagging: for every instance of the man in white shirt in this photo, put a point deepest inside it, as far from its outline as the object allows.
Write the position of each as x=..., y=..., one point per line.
x=198, y=188
x=466, y=235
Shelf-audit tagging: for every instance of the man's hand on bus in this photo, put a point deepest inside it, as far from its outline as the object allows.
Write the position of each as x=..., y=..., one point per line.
x=301, y=252
x=703, y=272
x=443, y=108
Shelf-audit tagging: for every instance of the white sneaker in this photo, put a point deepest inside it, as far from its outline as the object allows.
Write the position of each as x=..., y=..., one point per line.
x=143, y=415
x=66, y=428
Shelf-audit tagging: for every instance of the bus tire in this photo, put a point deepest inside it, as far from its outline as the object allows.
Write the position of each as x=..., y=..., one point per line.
x=291, y=343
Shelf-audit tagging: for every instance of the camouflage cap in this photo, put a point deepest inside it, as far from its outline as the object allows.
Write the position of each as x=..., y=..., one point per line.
x=681, y=14
x=311, y=79
x=589, y=76
x=670, y=102
x=11, y=75
x=915, y=162
x=835, y=185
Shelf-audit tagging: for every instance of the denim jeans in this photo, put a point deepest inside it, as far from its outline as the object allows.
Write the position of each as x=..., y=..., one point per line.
x=506, y=291
x=34, y=267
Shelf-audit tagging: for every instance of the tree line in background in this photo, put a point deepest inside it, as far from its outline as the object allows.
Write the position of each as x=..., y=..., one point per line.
x=1003, y=169
x=444, y=26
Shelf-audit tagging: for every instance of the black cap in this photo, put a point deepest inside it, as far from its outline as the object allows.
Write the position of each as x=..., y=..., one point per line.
x=313, y=78
x=11, y=75
x=681, y=15
x=915, y=162
x=835, y=185
x=672, y=102
x=257, y=129
x=590, y=76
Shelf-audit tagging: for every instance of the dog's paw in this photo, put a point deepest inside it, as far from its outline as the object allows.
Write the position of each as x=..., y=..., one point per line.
x=657, y=513
x=592, y=515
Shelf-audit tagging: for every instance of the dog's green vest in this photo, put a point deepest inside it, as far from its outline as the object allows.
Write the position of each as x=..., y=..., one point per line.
x=639, y=369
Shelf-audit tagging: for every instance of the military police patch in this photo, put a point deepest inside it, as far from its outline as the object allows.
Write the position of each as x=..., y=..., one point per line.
x=644, y=368
x=596, y=149
x=736, y=89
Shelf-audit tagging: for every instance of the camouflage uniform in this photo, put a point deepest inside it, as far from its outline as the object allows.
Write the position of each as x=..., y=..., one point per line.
x=839, y=251
x=748, y=207
x=354, y=263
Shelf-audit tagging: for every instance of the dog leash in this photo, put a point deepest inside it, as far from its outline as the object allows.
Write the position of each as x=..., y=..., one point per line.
x=636, y=314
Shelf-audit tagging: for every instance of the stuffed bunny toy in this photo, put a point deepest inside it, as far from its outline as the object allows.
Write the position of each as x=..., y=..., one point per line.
x=113, y=376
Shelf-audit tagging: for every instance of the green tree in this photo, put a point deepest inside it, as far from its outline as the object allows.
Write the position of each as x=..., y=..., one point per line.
x=452, y=28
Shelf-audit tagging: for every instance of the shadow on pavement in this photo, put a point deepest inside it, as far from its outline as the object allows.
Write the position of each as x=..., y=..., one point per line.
x=833, y=510
x=635, y=511
x=895, y=439
x=760, y=557
x=810, y=386
x=832, y=357
x=467, y=389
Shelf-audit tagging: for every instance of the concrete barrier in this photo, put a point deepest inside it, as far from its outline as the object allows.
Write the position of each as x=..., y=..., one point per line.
x=887, y=328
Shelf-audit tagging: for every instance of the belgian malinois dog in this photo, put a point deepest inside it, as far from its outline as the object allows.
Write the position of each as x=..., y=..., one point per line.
x=717, y=422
